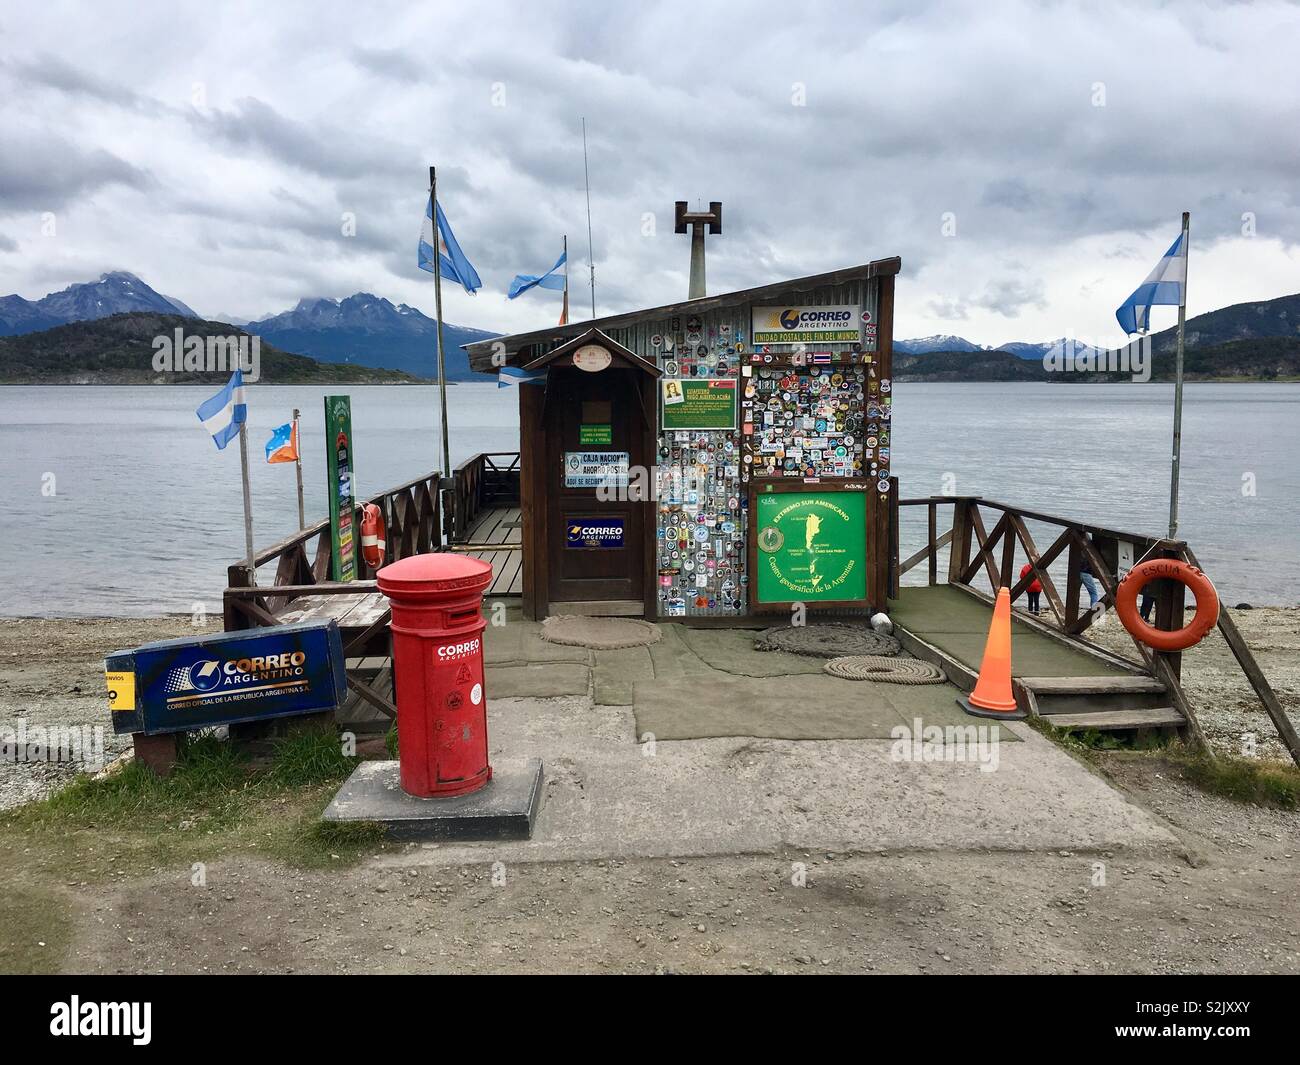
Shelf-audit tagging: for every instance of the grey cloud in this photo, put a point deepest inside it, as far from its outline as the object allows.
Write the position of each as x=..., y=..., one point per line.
x=910, y=114
x=53, y=72
x=47, y=174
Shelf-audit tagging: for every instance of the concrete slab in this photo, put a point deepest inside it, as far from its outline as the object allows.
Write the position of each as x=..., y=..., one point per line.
x=505, y=808
x=802, y=707
x=616, y=671
x=732, y=651
x=541, y=680
x=517, y=641
x=608, y=796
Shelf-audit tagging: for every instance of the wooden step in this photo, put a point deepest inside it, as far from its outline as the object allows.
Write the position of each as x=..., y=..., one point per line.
x=1117, y=720
x=1091, y=685
x=609, y=608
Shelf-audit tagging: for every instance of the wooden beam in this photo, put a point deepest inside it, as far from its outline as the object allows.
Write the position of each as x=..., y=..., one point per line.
x=932, y=523
x=1039, y=567
x=1250, y=666
x=986, y=544
x=371, y=696
x=931, y=552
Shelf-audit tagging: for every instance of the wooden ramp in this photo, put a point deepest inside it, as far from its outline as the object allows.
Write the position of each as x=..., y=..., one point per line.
x=1066, y=681
x=495, y=537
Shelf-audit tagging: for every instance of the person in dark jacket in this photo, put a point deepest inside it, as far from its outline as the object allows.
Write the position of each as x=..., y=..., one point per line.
x=1089, y=582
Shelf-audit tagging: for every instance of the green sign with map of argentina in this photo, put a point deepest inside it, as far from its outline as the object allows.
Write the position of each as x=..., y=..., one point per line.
x=812, y=547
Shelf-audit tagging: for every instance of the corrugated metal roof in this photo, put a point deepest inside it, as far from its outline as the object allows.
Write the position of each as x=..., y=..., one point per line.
x=480, y=352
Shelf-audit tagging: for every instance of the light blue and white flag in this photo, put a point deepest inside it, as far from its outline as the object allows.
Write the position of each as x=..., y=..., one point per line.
x=224, y=413
x=552, y=280
x=1165, y=286
x=509, y=376
x=452, y=263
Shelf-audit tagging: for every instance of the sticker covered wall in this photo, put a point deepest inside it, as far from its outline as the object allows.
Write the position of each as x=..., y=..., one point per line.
x=732, y=410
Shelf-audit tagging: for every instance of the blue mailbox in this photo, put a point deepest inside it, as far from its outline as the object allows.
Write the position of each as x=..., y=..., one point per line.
x=225, y=678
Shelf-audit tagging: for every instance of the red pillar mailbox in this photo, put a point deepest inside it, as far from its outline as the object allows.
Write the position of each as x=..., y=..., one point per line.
x=437, y=626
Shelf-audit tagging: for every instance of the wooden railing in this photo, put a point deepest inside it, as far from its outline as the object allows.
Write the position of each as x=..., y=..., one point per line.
x=303, y=562
x=489, y=479
x=975, y=548
x=995, y=550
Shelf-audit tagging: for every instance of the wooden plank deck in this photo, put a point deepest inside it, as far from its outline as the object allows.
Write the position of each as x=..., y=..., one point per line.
x=498, y=525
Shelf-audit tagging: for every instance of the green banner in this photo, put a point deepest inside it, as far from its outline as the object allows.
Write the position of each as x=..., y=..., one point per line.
x=338, y=464
x=689, y=404
x=812, y=546
x=595, y=434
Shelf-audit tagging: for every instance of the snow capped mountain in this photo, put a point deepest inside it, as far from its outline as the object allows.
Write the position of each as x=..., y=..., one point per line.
x=1020, y=349
x=116, y=292
x=923, y=345
x=372, y=331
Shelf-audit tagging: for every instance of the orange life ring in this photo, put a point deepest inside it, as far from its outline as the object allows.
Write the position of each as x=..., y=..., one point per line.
x=372, y=535
x=1207, y=604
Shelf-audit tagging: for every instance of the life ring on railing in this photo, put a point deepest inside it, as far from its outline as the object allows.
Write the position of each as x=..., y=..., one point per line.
x=372, y=535
x=1207, y=604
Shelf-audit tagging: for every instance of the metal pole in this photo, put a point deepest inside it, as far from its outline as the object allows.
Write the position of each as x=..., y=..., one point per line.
x=437, y=297
x=564, y=313
x=591, y=260
x=1178, y=391
x=251, y=562
x=297, y=461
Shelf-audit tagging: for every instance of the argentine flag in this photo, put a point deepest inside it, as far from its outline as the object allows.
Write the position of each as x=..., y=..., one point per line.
x=1165, y=285
x=452, y=263
x=509, y=376
x=224, y=413
x=523, y=282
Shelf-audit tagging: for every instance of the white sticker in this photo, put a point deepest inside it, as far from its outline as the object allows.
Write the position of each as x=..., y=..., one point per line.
x=476, y=694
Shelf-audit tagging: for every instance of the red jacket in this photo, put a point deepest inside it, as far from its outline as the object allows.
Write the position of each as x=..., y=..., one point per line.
x=1037, y=585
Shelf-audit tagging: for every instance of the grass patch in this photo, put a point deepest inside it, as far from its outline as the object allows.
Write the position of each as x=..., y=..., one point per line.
x=1244, y=780
x=1248, y=780
x=215, y=802
x=1085, y=741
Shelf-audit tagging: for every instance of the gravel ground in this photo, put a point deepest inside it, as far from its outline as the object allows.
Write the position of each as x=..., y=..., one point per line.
x=1221, y=903
x=1223, y=907
x=52, y=675
x=1224, y=702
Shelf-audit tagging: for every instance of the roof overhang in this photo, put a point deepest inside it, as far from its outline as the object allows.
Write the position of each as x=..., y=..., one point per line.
x=481, y=352
x=594, y=337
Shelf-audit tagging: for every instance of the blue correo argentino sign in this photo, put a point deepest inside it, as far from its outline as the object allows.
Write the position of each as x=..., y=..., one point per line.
x=594, y=533
x=227, y=677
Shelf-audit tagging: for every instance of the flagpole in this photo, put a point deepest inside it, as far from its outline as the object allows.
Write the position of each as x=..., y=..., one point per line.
x=248, y=504
x=297, y=461
x=1178, y=389
x=564, y=314
x=591, y=259
x=437, y=297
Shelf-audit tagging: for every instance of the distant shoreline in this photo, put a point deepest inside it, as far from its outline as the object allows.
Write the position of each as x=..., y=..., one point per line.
x=208, y=383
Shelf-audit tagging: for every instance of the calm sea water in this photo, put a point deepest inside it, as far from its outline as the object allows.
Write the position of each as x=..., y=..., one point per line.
x=145, y=514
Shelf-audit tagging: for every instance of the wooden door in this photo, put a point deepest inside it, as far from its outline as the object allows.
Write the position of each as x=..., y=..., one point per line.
x=596, y=546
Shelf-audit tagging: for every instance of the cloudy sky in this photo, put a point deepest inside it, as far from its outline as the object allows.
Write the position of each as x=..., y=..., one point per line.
x=1028, y=161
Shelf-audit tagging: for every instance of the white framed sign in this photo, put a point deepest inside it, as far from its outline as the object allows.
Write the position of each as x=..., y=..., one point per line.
x=783, y=324
x=592, y=358
x=595, y=469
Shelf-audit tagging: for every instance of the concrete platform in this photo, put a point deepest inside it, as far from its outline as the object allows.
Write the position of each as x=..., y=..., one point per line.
x=503, y=810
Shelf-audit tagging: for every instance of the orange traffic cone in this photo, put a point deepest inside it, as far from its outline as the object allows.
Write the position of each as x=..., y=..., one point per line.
x=992, y=696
